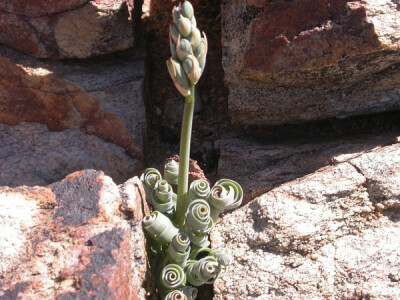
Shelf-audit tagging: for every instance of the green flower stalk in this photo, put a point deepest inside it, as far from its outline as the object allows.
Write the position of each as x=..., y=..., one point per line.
x=186, y=65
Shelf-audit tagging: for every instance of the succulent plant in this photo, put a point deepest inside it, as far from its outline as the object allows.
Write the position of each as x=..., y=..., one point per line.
x=180, y=225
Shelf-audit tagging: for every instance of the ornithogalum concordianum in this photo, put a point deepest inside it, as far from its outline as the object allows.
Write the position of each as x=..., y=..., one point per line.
x=181, y=222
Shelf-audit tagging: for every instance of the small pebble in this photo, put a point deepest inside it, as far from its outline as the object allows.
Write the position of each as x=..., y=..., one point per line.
x=366, y=209
x=314, y=256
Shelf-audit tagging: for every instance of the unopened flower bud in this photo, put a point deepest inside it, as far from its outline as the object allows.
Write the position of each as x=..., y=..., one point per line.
x=194, y=23
x=184, y=26
x=192, y=69
x=202, y=64
x=195, y=38
x=201, y=51
x=178, y=77
x=188, y=49
x=176, y=12
x=183, y=48
x=187, y=10
x=174, y=32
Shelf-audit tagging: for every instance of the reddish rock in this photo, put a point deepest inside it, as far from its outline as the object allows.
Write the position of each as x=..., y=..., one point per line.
x=293, y=61
x=54, y=94
x=33, y=8
x=69, y=30
x=70, y=240
x=314, y=34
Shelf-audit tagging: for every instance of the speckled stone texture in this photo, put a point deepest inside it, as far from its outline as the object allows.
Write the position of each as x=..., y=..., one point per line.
x=301, y=60
x=100, y=97
x=66, y=29
x=260, y=166
x=330, y=235
x=73, y=240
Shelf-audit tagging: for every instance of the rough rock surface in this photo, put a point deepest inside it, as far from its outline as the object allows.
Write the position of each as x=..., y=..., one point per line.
x=329, y=235
x=31, y=154
x=95, y=97
x=66, y=29
x=33, y=8
x=71, y=240
x=260, y=167
x=293, y=61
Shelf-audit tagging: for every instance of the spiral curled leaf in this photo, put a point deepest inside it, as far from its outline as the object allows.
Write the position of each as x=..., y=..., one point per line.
x=171, y=172
x=198, y=216
x=190, y=292
x=163, y=197
x=223, y=259
x=199, y=189
x=238, y=192
x=179, y=249
x=149, y=178
x=203, y=251
x=219, y=199
x=159, y=227
x=225, y=194
x=198, y=239
x=180, y=242
x=175, y=295
x=172, y=277
x=204, y=271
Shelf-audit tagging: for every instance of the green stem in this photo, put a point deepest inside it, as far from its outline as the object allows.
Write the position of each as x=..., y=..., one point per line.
x=184, y=155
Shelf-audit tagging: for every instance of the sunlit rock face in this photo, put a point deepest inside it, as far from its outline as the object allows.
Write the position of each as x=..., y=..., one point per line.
x=77, y=238
x=330, y=234
x=294, y=61
x=66, y=29
x=60, y=117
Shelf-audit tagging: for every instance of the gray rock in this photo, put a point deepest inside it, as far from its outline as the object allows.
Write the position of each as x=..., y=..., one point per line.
x=295, y=61
x=30, y=154
x=330, y=235
x=260, y=167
